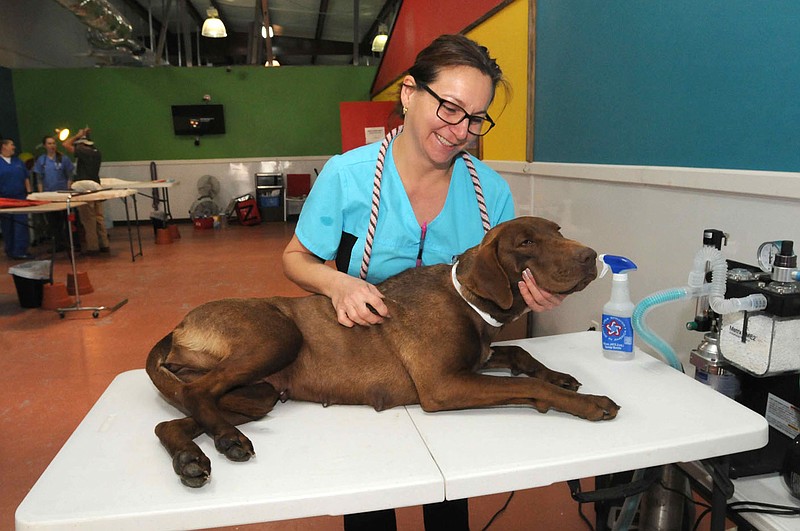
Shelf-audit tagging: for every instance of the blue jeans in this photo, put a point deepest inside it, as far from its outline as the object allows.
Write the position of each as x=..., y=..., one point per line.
x=15, y=234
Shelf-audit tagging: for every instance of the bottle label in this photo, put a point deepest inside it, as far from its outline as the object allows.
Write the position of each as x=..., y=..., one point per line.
x=617, y=333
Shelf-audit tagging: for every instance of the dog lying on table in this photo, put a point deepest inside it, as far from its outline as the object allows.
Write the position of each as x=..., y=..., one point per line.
x=230, y=361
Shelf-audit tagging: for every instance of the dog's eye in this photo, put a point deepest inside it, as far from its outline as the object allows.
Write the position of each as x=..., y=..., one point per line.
x=525, y=243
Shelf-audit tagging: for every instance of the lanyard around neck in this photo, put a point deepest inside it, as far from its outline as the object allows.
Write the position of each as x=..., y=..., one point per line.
x=376, y=197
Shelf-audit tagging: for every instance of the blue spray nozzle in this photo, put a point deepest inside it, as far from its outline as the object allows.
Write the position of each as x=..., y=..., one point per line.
x=617, y=264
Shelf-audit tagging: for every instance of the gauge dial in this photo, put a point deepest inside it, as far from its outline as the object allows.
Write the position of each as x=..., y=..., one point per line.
x=766, y=255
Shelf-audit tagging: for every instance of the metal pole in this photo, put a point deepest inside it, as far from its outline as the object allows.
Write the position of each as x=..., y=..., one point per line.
x=268, y=40
x=356, y=59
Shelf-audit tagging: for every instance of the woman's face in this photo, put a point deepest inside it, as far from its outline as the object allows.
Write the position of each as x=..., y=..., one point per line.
x=50, y=146
x=464, y=86
x=7, y=148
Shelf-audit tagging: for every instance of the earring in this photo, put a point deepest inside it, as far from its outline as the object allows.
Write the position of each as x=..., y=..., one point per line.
x=405, y=110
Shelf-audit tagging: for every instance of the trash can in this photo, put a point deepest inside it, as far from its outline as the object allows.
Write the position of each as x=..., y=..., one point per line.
x=270, y=195
x=29, y=279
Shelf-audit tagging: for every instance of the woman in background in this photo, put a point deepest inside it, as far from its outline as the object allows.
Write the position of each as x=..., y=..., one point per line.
x=54, y=172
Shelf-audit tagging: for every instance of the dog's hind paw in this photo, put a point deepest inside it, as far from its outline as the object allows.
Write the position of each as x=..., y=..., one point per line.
x=564, y=381
x=235, y=446
x=194, y=469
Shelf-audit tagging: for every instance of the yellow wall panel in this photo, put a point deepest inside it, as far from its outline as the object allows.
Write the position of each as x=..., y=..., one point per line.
x=506, y=36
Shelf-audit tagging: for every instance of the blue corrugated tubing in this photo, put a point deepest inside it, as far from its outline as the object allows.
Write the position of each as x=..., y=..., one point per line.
x=650, y=337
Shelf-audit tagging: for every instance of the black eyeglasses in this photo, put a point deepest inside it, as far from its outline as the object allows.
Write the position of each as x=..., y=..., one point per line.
x=453, y=114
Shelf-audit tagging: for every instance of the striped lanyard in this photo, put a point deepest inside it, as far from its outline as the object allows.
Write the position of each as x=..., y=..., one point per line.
x=376, y=199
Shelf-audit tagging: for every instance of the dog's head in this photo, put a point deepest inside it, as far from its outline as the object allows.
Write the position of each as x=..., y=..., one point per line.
x=558, y=265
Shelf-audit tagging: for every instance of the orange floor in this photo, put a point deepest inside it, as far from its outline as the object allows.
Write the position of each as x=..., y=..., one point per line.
x=55, y=369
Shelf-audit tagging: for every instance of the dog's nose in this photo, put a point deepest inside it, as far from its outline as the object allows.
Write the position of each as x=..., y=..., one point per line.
x=586, y=254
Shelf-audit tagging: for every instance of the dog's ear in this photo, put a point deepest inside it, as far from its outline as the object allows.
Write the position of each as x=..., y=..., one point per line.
x=487, y=278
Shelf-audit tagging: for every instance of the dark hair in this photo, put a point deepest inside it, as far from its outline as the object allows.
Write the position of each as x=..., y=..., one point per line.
x=454, y=50
x=44, y=141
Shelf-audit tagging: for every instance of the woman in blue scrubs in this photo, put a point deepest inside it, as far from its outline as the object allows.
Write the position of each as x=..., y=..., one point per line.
x=14, y=184
x=55, y=174
x=434, y=201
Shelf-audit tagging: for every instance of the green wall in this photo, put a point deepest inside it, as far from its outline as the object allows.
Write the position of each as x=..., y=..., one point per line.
x=269, y=112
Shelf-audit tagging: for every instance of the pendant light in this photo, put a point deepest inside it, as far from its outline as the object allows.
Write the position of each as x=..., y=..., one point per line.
x=213, y=26
x=379, y=42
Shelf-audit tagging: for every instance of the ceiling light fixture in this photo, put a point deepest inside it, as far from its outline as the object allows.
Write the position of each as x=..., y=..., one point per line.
x=213, y=26
x=379, y=42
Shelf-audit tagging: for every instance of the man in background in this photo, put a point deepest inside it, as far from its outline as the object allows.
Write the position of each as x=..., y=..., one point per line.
x=91, y=215
x=14, y=184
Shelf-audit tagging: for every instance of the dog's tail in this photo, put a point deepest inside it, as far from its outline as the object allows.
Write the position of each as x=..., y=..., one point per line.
x=162, y=377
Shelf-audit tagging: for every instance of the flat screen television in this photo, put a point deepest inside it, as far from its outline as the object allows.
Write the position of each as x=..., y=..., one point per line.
x=198, y=120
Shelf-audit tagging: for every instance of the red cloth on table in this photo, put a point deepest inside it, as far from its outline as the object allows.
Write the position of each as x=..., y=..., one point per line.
x=6, y=202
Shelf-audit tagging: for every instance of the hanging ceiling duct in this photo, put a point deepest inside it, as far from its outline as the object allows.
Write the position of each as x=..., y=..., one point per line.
x=108, y=29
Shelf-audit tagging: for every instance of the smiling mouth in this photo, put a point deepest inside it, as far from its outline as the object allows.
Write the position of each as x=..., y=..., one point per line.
x=444, y=141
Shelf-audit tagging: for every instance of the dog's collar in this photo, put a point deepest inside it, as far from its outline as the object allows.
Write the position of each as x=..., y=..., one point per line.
x=485, y=316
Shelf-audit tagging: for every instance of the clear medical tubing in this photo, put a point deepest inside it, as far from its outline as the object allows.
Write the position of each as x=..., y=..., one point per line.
x=697, y=288
x=625, y=518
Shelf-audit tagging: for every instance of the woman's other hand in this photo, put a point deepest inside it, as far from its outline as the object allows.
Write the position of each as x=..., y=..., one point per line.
x=537, y=300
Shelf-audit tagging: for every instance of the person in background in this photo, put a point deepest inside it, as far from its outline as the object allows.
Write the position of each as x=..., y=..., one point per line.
x=91, y=214
x=429, y=211
x=14, y=184
x=54, y=173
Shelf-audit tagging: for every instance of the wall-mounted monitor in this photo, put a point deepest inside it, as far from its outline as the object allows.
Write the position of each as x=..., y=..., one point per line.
x=198, y=120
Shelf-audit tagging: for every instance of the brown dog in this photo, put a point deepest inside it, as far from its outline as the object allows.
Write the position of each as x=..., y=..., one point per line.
x=230, y=361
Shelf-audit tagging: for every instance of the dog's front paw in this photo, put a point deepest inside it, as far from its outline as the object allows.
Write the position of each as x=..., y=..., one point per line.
x=193, y=467
x=234, y=445
x=599, y=408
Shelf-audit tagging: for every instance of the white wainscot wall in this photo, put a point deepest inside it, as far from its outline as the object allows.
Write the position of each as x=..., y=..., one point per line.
x=656, y=217
x=236, y=178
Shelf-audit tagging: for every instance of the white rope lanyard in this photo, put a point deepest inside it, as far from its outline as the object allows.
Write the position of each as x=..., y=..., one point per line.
x=376, y=197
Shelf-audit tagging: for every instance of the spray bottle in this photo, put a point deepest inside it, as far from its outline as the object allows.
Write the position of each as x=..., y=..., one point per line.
x=617, y=329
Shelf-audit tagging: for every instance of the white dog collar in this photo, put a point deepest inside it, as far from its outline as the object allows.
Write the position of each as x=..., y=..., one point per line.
x=485, y=316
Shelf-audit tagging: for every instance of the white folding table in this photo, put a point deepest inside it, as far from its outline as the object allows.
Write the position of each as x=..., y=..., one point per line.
x=665, y=417
x=162, y=185
x=313, y=461
x=98, y=195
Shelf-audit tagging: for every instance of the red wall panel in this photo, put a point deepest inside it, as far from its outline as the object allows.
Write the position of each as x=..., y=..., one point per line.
x=356, y=116
x=418, y=23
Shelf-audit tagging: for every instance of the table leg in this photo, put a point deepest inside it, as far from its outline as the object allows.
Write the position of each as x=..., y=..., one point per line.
x=166, y=203
x=138, y=228
x=130, y=234
x=720, y=492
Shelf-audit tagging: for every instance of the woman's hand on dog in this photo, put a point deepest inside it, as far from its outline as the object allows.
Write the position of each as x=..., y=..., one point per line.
x=357, y=302
x=537, y=300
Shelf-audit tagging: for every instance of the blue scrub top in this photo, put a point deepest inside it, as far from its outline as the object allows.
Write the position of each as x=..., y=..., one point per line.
x=55, y=174
x=341, y=200
x=12, y=178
